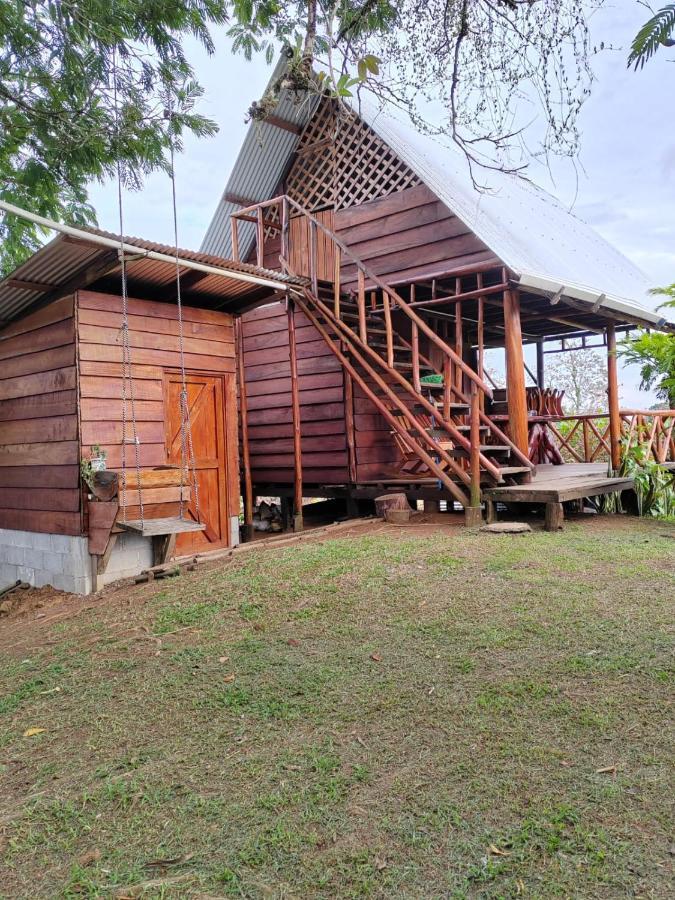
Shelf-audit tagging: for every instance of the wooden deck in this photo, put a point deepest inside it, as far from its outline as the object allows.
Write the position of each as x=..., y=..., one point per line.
x=555, y=485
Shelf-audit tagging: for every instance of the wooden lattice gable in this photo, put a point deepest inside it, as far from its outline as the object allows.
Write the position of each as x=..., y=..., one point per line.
x=340, y=162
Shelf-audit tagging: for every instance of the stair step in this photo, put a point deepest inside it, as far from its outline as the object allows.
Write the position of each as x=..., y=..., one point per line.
x=485, y=449
x=455, y=408
x=406, y=367
x=514, y=470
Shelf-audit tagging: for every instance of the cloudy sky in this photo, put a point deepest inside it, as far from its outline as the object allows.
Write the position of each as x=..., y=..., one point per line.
x=623, y=182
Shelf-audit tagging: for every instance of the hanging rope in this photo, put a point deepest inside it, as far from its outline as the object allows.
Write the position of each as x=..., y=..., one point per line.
x=127, y=380
x=187, y=455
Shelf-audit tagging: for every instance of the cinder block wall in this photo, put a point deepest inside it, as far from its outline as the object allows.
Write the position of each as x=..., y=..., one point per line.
x=60, y=560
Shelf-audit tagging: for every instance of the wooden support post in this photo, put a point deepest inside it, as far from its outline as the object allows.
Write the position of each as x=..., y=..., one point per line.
x=235, y=239
x=459, y=345
x=554, y=517
x=245, y=449
x=481, y=340
x=295, y=406
x=473, y=513
x=260, y=237
x=515, y=371
x=541, y=377
x=613, y=399
x=490, y=511
x=361, y=301
x=415, y=342
x=349, y=426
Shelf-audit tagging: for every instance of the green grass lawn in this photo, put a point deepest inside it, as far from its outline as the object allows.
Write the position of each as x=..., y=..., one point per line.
x=389, y=715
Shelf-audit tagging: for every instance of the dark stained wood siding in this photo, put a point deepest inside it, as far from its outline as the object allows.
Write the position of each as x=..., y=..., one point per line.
x=268, y=390
x=39, y=450
x=154, y=338
x=407, y=235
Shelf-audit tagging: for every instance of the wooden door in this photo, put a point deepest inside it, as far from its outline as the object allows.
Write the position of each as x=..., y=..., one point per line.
x=206, y=402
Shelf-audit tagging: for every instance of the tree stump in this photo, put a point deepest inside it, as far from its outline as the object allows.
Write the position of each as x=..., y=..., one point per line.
x=387, y=502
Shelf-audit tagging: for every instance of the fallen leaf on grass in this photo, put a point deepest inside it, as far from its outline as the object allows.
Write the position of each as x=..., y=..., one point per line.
x=223, y=659
x=495, y=851
x=566, y=763
x=380, y=864
x=606, y=770
x=91, y=856
x=376, y=657
x=31, y=732
x=293, y=642
x=229, y=678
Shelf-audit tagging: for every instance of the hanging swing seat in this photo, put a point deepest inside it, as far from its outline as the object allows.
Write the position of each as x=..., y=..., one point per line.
x=156, y=527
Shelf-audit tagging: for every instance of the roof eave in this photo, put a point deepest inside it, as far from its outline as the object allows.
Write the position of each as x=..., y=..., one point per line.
x=594, y=299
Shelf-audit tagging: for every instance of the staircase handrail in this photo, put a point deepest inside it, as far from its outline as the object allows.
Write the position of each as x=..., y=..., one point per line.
x=371, y=276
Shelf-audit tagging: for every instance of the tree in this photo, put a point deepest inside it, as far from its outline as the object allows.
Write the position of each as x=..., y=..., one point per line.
x=582, y=374
x=657, y=32
x=494, y=65
x=84, y=88
x=654, y=352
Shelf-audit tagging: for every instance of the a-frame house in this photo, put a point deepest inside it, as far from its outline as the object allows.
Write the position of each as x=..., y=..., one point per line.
x=412, y=274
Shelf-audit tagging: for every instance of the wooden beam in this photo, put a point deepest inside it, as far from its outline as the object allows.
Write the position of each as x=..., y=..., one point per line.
x=243, y=417
x=295, y=409
x=515, y=371
x=37, y=286
x=284, y=124
x=613, y=399
x=229, y=197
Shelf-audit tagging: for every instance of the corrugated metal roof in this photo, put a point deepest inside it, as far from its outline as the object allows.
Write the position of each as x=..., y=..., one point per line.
x=65, y=260
x=526, y=227
x=260, y=165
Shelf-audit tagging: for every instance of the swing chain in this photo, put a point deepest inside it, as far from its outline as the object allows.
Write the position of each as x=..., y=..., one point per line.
x=187, y=454
x=127, y=378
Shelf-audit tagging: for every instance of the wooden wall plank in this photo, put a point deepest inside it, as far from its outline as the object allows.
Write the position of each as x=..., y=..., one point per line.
x=27, y=431
x=44, y=521
x=39, y=454
x=39, y=458
x=60, y=403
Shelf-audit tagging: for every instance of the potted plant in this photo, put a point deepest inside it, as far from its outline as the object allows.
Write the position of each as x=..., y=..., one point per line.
x=95, y=463
x=97, y=458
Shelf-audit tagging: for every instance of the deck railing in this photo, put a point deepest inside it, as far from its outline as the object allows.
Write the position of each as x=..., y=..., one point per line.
x=586, y=438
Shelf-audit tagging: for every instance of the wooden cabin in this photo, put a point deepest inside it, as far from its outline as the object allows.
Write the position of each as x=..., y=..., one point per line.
x=336, y=325
x=62, y=392
x=414, y=275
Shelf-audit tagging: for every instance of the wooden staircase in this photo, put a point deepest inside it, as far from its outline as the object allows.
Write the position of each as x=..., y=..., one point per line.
x=441, y=429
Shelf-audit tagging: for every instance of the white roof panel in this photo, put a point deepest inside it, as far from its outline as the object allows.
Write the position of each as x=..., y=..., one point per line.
x=543, y=243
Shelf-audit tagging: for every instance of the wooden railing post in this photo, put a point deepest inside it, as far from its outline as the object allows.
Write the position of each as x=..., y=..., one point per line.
x=473, y=512
x=336, y=282
x=235, y=239
x=361, y=302
x=295, y=410
x=613, y=399
x=415, y=341
x=313, y=259
x=260, y=237
x=285, y=230
x=387, y=327
x=243, y=418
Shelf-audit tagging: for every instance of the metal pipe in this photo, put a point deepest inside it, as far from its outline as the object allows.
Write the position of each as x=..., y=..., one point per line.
x=132, y=249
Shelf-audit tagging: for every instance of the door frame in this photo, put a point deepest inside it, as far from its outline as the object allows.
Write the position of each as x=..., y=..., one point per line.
x=228, y=500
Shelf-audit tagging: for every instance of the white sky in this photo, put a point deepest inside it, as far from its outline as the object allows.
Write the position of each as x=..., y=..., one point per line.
x=623, y=183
